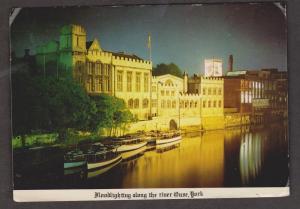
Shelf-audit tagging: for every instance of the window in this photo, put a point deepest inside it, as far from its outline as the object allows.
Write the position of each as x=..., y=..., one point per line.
x=209, y=103
x=209, y=91
x=186, y=104
x=146, y=82
x=220, y=91
x=138, y=82
x=215, y=91
x=204, y=91
x=169, y=104
x=191, y=104
x=119, y=81
x=220, y=103
x=174, y=104
x=145, y=103
x=136, y=103
x=167, y=93
x=162, y=93
x=215, y=103
x=130, y=103
x=204, y=104
x=129, y=81
x=154, y=103
x=196, y=104
x=163, y=103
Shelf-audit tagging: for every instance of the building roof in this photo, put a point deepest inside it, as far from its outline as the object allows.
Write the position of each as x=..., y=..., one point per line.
x=122, y=54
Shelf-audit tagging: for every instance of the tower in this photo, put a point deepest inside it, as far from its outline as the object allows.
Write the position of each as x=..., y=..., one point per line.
x=230, y=63
x=72, y=47
x=185, y=82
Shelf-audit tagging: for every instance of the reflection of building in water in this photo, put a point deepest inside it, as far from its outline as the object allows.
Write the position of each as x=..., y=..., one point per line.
x=251, y=157
x=212, y=159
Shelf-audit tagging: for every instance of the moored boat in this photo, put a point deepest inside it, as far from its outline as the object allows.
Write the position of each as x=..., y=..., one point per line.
x=168, y=138
x=74, y=159
x=102, y=157
x=125, y=144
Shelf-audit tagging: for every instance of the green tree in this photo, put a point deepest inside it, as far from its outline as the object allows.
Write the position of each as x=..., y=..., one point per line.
x=49, y=104
x=112, y=114
x=163, y=68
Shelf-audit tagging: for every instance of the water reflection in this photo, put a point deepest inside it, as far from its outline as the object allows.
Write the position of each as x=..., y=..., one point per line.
x=242, y=156
x=251, y=157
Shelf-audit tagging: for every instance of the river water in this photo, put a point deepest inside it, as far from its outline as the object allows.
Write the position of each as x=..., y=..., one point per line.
x=237, y=157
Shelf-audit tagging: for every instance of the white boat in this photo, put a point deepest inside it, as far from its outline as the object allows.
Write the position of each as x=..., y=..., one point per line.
x=97, y=172
x=168, y=139
x=132, y=153
x=125, y=144
x=102, y=158
x=167, y=145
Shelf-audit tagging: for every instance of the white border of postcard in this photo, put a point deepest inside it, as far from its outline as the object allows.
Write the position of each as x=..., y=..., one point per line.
x=146, y=194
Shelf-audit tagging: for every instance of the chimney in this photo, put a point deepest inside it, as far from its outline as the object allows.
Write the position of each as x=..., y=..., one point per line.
x=230, y=63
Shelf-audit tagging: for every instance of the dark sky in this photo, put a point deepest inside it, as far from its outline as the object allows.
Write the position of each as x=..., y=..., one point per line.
x=254, y=33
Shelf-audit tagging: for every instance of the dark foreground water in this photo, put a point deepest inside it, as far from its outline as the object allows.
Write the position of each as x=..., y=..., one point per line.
x=237, y=157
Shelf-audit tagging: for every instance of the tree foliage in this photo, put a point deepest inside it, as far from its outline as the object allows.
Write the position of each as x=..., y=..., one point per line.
x=163, y=68
x=112, y=114
x=51, y=104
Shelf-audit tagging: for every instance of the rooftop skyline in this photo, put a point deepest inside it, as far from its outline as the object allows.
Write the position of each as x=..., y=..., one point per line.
x=183, y=34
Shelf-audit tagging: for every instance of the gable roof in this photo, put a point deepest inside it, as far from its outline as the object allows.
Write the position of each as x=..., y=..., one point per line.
x=93, y=45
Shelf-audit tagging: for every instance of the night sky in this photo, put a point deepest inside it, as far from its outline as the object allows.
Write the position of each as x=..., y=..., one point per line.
x=254, y=33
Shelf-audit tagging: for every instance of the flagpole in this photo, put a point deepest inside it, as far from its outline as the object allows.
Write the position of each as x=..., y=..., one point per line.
x=149, y=47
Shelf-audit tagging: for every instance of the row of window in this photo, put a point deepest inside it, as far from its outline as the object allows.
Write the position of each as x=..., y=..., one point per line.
x=135, y=103
x=129, y=85
x=167, y=93
x=211, y=91
x=209, y=104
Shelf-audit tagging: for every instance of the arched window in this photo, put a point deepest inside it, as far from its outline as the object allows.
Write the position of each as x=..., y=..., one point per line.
x=186, y=104
x=136, y=103
x=130, y=103
x=145, y=103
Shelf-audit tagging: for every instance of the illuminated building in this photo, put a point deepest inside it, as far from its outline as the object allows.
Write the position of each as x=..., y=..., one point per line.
x=213, y=67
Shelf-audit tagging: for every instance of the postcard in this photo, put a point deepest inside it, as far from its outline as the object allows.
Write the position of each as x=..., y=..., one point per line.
x=149, y=102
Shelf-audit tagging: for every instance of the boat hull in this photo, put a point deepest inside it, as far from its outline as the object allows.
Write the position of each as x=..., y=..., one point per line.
x=70, y=165
x=132, y=153
x=164, y=141
x=103, y=164
x=96, y=172
x=126, y=148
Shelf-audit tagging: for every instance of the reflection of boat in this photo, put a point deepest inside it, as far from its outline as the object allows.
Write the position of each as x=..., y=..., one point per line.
x=101, y=156
x=127, y=143
x=133, y=153
x=72, y=171
x=74, y=159
x=168, y=138
x=167, y=146
x=102, y=170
